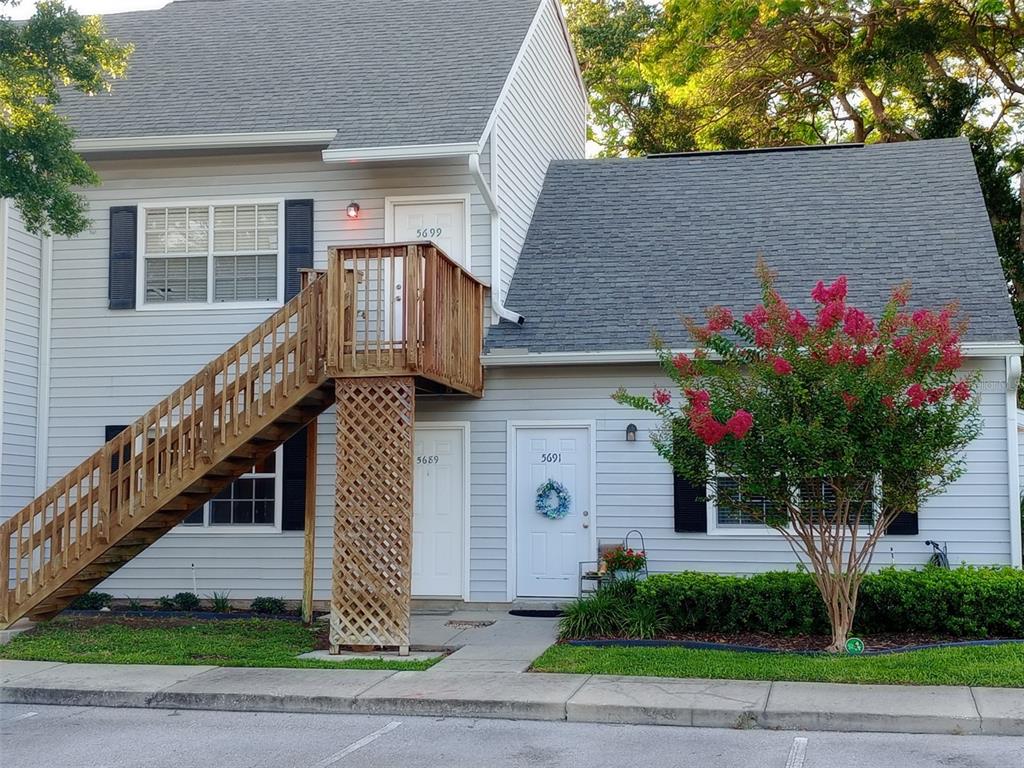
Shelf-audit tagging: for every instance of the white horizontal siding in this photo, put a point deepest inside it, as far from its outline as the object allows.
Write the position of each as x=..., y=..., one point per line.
x=542, y=118
x=634, y=490
x=109, y=367
x=20, y=376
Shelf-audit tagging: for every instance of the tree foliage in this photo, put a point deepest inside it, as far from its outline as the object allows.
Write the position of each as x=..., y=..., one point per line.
x=729, y=74
x=56, y=48
x=824, y=429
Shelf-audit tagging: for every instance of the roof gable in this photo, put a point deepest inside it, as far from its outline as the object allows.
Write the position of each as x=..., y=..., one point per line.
x=619, y=248
x=380, y=72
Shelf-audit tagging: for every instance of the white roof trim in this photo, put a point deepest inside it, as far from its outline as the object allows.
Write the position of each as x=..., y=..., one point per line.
x=514, y=357
x=207, y=141
x=400, y=152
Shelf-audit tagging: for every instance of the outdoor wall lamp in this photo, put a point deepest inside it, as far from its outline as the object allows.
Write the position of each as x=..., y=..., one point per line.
x=352, y=211
x=631, y=433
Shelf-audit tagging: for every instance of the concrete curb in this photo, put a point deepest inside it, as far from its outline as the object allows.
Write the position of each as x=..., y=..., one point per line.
x=573, y=698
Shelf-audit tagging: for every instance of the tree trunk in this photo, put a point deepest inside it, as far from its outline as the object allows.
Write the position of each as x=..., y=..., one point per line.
x=839, y=592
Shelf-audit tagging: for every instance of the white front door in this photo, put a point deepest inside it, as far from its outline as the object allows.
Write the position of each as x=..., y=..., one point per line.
x=438, y=543
x=442, y=222
x=549, y=551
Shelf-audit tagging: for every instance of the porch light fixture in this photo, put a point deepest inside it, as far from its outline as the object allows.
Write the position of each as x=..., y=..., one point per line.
x=631, y=433
x=352, y=211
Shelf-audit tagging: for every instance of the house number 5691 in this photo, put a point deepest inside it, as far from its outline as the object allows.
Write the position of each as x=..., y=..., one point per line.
x=551, y=458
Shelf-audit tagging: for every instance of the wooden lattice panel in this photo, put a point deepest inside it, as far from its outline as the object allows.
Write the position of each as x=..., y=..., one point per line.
x=372, y=574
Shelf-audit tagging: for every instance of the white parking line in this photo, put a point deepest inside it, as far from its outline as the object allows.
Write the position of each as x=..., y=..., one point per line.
x=369, y=738
x=24, y=716
x=797, y=752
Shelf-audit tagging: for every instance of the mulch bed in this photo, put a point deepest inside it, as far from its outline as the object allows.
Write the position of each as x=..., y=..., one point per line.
x=796, y=643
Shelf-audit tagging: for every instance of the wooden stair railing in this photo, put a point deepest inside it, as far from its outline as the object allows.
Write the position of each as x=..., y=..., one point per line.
x=181, y=453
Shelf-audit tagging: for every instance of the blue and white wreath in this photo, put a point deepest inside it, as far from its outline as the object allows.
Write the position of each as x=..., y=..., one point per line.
x=553, y=500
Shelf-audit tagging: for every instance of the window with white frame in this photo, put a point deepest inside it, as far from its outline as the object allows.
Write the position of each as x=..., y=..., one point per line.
x=250, y=501
x=212, y=254
x=747, y=512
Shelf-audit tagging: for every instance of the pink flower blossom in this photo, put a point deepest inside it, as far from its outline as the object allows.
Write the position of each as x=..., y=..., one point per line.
x=781, y=366
x=888, y=402
x=764, y=338
x=700, y=399
x=835, y=292
x=901, y=294
x=935, y=394
x=706, y=426
x=683, y=364
x=662, y=396
x=830, y=314
x=849, y=400
x=719, y=319
x=756, y=317
x=838, y=353
x=858, y=326
x=797, y=326
x=916, y=395
x=961, y=391
x=739, y=424
x=951, y=358
x=861, y=358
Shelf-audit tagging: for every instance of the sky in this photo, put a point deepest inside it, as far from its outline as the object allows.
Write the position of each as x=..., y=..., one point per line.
x=24, y=9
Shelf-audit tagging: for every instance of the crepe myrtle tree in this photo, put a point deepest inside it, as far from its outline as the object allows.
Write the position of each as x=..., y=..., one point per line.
x=823, y=428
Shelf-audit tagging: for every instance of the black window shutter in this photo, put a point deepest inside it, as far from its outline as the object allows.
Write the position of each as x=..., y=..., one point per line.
x=123, y=247
x=691, y=508
x=110, y=431
x=293, y=483
x=298, y=243
x=904, y=524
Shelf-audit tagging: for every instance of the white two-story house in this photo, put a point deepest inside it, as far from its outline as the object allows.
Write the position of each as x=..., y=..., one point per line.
x=250, y=138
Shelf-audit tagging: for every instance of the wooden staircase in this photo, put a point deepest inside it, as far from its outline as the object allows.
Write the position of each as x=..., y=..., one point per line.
x=239, y=409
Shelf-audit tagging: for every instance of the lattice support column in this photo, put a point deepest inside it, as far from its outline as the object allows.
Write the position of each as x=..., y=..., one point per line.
x=372, y=574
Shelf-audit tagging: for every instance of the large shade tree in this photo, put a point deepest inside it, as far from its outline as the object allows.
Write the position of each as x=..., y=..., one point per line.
x=823, y=428
x=39, y=169
x=726, y=74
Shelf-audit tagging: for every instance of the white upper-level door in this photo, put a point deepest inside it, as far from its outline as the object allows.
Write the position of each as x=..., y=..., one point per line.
x=443, y=221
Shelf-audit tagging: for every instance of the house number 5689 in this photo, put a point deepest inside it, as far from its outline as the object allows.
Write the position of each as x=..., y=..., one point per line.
x=427, y=459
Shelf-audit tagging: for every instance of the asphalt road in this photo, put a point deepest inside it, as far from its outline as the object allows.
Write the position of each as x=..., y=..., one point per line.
x=84, y=737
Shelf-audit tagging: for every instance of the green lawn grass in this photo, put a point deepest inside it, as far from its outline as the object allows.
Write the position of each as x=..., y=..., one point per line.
x=998, y=666
x=225, y=643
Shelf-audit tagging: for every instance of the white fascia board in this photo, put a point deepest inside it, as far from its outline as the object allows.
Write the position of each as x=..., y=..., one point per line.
x=207, y=141
x=401, y=152
x=512, y=357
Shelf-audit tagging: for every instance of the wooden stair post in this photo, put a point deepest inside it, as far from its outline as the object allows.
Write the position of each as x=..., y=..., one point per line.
x=372, y=573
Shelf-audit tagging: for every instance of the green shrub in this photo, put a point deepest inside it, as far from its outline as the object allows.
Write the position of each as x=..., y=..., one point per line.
x=186, y=601
x=135, y=605
x=964, y=602
x=92, y=601
x=166, y=603
x=270, y=605
x=220, y=603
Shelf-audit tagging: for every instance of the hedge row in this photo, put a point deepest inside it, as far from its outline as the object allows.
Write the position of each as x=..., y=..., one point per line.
x=963, y=602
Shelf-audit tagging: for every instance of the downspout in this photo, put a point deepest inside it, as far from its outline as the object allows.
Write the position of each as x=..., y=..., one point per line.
x=43, y=372
x=497, y=300
x=1013, y=372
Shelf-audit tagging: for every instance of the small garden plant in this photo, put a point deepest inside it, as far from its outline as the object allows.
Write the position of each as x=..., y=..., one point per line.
x=92, y=601
x=827, y=427
x=624, y=559
x=267, y=605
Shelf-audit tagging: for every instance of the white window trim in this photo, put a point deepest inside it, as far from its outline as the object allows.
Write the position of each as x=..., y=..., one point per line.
x=760, y=530
x=142, y=305
x=465, y=198
x=248, y=530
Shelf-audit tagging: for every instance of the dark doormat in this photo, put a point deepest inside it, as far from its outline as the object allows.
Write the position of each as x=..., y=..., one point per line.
x=538, y=614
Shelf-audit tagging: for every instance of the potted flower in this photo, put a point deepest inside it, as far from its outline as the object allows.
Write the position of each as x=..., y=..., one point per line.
x=625, y=563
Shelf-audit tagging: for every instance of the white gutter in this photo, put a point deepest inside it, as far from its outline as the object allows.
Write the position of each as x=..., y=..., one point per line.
x=4, y=224
x=497, y=299
x=499, y=358
x=400, y=152
x=42, y=456
x=1013, y=372
x=253, y=140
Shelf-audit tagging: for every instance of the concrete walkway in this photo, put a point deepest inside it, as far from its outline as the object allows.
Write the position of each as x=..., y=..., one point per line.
x=487, y=641
x=575, y=698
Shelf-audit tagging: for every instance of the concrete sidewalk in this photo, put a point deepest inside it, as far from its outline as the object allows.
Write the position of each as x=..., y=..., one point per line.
x=576, y=698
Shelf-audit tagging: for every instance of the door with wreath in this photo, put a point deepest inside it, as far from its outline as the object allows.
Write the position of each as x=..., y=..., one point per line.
x=554, y=512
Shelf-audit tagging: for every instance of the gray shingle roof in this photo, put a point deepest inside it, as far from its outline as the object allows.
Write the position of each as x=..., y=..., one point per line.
x=618, y=248
x=381, y=72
